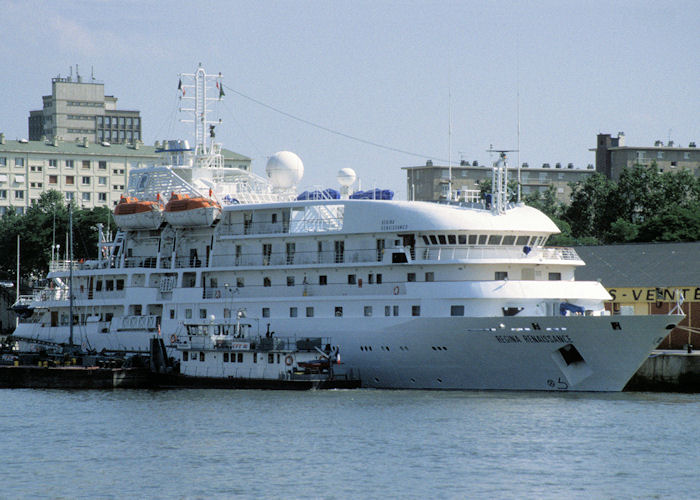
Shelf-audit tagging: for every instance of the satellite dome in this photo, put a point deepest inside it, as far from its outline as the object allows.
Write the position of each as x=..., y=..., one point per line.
x=346, y=176
x=284, y=169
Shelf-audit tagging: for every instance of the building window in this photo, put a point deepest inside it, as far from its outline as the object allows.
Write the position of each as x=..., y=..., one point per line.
x=69, y=163
x=19, y=162
x=102, y=165
x=456, y=310
x=53, y=179
x=3, y=194
x=19, y=195
x=102, y=181
x=415, y=310
x=265, y=312
x=3, y=161
x=292, y=312
x=70, y=180
x=338, y=311
x=86, y=196
x=309, y=312
x=86, y=164
x=85, y=180
x=368, y=310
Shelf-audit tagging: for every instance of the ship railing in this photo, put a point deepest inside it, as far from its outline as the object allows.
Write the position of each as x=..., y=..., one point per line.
x=295, y=258
x=233, y=293
x=135, y=322
x=322, y=220
x=145, y=262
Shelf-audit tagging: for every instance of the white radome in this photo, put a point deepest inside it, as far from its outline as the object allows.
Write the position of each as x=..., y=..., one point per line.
x=346, y=177
x=284, y=169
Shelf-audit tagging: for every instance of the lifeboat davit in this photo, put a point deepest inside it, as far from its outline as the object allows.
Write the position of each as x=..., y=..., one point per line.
x=132, y=213
x=184, y=211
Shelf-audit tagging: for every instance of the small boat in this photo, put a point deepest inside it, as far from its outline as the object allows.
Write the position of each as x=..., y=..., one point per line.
x=132, y=213
x=227, y=355
x=183, y=210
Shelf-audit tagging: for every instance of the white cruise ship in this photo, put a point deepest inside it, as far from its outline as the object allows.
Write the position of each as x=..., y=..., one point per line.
x=414, y=294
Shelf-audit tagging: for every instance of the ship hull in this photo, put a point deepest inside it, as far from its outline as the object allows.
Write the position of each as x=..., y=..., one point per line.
x=504, y=353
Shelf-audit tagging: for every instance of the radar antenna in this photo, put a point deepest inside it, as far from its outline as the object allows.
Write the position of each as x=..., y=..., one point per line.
x=499, y=180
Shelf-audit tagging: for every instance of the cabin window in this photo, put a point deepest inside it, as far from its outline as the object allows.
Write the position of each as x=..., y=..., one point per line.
x=426, y=240
x=270, y=356
x=395, y=310
x=274, y=218
x=240, y=357
x=381, y=244
x=239, y=253
x=309, y=312
x=456, y=310
x=501, y=275
x=291, y=250
x=442, y=239
x=482, y=239
x=213, y=283
x=185, y=355
x=227, y=312
x=202, y=314
x=98, y=286
x=240, y=282
x=267, y=281
x=368, y=310
x=370, y=278
x=462, y=238
x=120, y=284
x=509, y=240
x=433, y=239
x=554, y=276
x=339, y=247
x=379, y=278
x=267, y=253
x=201, y=356
x=255, y=357
x=225, y=357
x=411, y=277
x=290, y=280
x=521, y=241
x=429, y=276
x=319, y=251
x=533, y=241
x=451, y=239
x=278, y=358
x=265, y=312
x=495, y=239
x=292, y=312
x=415, y=310
x=352, y=280
x=387, y=310
x=188, y=313
x=323, y=279
x=338, y=311
x=172, y=313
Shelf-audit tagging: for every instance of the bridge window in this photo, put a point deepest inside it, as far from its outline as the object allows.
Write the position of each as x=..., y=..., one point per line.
x=508, y=240
x=495, y=239
x=462, y=238
x=442, y=239
x=522, y=240
x=433, y=239
x=451, y=239
x=425, y=239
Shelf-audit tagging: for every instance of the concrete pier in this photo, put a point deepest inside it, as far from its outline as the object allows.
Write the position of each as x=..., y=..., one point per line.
x=668, y=371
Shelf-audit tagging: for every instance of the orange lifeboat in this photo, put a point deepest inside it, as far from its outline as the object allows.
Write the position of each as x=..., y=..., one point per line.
x=183, y=210
x=132, y=213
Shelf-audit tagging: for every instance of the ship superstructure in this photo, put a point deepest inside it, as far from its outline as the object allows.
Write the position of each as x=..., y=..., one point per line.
x=416, y=294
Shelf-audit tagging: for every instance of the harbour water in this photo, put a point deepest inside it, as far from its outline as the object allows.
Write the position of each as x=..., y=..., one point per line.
x=347, y=444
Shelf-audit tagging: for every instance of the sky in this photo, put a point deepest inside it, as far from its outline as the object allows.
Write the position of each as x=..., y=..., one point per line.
x=441, y=80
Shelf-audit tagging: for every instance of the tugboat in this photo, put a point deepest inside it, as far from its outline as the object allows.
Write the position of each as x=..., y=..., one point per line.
x=225, y=354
